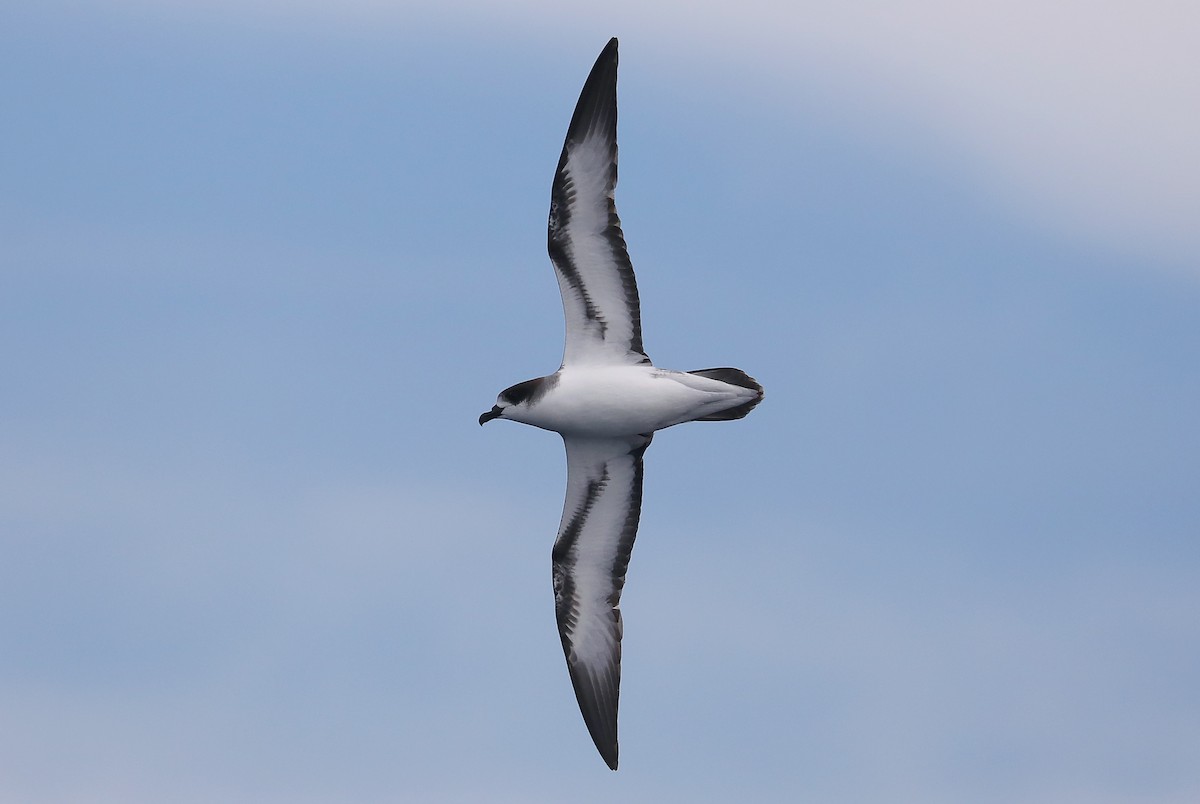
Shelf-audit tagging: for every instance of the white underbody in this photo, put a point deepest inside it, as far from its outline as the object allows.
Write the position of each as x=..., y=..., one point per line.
x=625, y=400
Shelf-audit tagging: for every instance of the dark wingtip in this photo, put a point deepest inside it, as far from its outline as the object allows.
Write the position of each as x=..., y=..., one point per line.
x=600, y=716
x=609, y=54
x=597, y=105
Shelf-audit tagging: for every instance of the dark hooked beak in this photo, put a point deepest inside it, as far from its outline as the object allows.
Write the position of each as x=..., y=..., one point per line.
x=494, y=413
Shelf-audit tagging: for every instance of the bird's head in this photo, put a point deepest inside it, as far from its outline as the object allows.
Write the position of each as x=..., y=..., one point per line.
x=515, y=399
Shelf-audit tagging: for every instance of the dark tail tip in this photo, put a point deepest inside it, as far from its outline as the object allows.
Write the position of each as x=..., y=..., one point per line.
x=736, y=377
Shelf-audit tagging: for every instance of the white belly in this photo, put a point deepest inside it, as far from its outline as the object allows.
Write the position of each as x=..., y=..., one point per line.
x=627, y=400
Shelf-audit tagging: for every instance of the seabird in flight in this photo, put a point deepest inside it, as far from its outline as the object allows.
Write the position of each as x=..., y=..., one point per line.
x=606, y=400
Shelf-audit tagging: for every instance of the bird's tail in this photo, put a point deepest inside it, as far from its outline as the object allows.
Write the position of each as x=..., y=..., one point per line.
x=733, y=377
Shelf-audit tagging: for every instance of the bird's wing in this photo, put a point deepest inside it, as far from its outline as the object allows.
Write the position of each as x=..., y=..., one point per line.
x=595, y=539
x=599, y=293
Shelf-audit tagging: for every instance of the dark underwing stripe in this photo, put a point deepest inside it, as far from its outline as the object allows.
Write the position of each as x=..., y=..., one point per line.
x=558, y=244
x=629, y=529
x=563, y=554
x=566, y=605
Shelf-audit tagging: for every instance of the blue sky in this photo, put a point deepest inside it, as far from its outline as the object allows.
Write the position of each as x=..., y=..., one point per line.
x=263, y=265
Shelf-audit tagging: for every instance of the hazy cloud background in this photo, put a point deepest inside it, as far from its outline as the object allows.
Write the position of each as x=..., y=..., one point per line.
x=263, y=264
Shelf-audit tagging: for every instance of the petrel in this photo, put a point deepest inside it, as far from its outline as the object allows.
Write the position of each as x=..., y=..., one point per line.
x=606, y=400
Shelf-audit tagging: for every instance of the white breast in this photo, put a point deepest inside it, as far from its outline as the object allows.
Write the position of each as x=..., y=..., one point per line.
x=614, y=401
